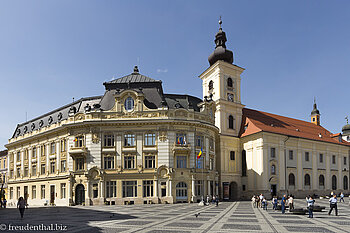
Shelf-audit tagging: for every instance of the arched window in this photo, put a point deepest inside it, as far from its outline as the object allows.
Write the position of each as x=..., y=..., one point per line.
x=307, y=180
x=273, y=169
x=321, y=181
x=181, y=190
x=345, y=183
x=231, y=122
x=129, y=104
x=334, y=182
x=211, y=85
x=229, y=82
x=291, y=179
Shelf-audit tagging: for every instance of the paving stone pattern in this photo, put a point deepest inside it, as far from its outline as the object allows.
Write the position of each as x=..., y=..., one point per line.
x=179, y=218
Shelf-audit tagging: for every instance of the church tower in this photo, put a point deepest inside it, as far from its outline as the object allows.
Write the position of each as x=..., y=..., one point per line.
x=315, y=115
x=222, y=84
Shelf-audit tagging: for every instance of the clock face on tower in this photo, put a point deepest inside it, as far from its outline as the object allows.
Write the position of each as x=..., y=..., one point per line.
x=230, y=97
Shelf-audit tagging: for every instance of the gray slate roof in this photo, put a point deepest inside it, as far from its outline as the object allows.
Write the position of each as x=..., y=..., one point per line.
x=133, y=78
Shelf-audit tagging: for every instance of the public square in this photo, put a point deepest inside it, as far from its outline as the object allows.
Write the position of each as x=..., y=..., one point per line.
x=180, y=218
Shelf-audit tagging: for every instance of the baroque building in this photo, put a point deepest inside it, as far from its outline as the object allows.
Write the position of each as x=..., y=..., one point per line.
x=137, y=145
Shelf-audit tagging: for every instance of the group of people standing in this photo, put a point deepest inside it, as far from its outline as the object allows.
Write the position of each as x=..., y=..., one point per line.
x=261, y=202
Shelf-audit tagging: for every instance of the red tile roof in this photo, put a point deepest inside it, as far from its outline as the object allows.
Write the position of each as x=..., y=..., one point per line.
x=255, y=121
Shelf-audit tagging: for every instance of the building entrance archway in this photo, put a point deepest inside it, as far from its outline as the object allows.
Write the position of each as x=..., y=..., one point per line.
x=79, y=194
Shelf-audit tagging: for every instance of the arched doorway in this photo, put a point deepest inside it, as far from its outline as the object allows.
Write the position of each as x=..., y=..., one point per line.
x=334, y=182
x=79, y=194
x=233, y=191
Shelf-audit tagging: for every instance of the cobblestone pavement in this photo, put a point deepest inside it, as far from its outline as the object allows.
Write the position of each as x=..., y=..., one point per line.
x=178, y=218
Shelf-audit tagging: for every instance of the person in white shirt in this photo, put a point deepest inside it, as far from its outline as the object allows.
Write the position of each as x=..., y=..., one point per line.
x=333, y=205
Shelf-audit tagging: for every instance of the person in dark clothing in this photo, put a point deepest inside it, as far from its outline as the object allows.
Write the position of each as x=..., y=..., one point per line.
x=21, y=205
x=217, y=201
x=283, y=203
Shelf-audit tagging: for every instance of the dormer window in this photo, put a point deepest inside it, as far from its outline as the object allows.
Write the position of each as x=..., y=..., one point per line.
x=129, y=104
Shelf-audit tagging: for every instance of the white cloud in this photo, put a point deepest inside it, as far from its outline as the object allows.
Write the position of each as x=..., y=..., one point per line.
x=162, y=70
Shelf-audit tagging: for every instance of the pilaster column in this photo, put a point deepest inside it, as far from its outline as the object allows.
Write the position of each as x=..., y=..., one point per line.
x=155, y=188
x=208, y=188
x=170, y=189
x=193, y=189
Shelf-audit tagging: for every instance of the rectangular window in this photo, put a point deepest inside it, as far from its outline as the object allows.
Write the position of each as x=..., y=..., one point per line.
x=53, y=148
x=95, y=190
x=333, y=159
x=34, y=192
x=291, y=155
x=63, y=190
x=307, y=156
x=148, y=188
x=108, y=162
x=198, y=187
x=25, y=172
x=273, y=152
x=344, y=160
x=200, y=162
x=150, y=139
x=34, y=152
x=199, y=141
x=211, y=144
x=79, y=164
x=181, y=139
x=232, y=155
x=43, y=150
x=11, y=193
x=129, y=140
x=321, y=158
x=26, y=154
x=42, y=191
x=211, y=164
x=129, y=162
x=18, y=172
x=18, y=192
x=63, y=165
x=52, y=167
x=150, y=161
x=63, y=145
x=108, y=140
x=129, y=188
x=181, y=161
x=79, y=141
x=33, y=169
x=18, y=156
x=43, y=169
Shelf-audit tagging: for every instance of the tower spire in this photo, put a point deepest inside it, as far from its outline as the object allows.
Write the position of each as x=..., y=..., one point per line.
x=220, y=52
x=315, y=114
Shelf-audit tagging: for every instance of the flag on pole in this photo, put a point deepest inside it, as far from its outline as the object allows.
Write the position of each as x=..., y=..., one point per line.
x=75, y=140
x=200, y=154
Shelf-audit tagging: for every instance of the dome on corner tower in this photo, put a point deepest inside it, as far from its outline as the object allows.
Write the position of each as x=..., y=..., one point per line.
x=220, y=52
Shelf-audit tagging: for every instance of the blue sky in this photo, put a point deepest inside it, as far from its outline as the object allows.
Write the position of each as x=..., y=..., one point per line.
x=52, y=51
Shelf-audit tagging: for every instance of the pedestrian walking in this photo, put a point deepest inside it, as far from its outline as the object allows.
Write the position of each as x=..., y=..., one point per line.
x=310, y=206
x=283, y=203
x=253, y=201
x=21, y=205
x=214, y=199
x=333, y=205
x=264, y=203
x=257, y=199
x=291, y=203
x=261, y=197
x=4, y=202
x=341, y=197
x=217, y=201
x=274, y=202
